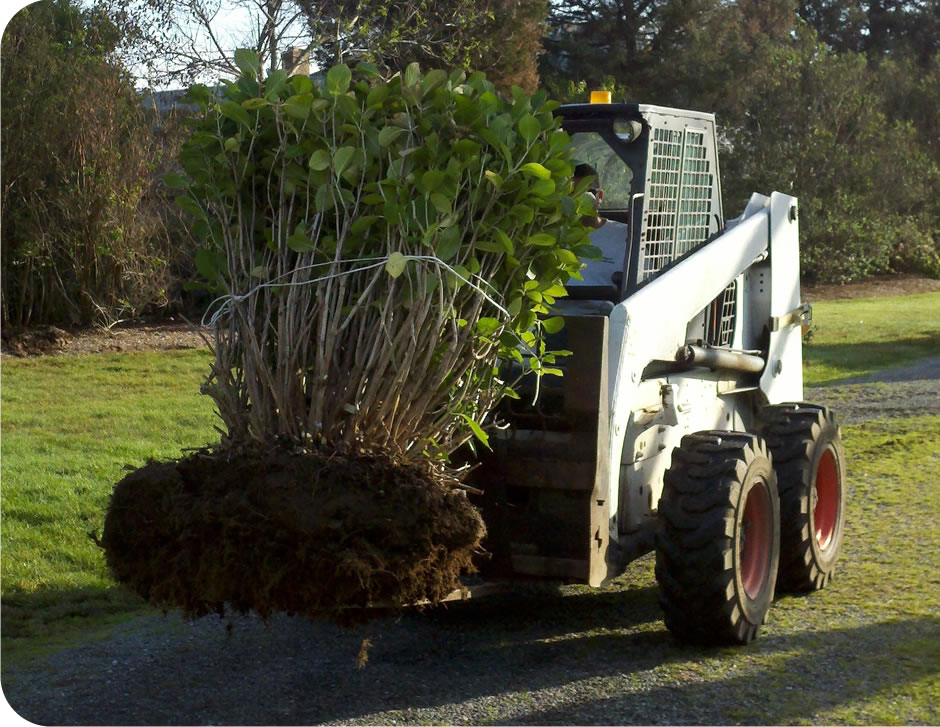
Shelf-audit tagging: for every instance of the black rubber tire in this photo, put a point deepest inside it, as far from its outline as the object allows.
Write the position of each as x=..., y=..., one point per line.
x=709, y=589
x=809, y=459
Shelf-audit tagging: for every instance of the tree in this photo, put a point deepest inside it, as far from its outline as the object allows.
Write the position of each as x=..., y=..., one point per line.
x=816, y=127
x=878, y=28
x=83, y=236
x=185, y=38
x=591, y=40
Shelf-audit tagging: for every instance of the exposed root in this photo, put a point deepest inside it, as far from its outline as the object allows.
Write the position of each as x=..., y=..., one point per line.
x=308, y=534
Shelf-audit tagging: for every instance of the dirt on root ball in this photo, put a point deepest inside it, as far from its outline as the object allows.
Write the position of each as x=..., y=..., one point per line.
x=300, y=533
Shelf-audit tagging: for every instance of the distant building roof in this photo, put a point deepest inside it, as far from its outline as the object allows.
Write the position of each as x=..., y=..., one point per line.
x=166, y=101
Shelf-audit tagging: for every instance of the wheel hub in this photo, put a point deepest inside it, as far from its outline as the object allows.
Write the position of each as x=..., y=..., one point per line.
x=826, y=499
x=756, y=540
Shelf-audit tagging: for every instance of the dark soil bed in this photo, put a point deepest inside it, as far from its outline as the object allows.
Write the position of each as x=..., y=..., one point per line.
x=303, y=534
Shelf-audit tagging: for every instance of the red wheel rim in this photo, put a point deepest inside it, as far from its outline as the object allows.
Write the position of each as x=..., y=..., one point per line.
x=756, y=534
x=826, y=496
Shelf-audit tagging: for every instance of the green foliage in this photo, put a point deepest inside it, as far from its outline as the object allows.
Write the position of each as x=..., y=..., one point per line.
x=84, y=231
x=463, y=197
x=866, y=185
x=849, y=128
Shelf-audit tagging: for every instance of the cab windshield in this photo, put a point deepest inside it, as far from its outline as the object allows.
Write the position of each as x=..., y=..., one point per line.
x=615, y=177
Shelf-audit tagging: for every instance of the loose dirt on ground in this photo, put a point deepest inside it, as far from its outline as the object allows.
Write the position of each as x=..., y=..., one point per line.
x=163, y=335
x=877, y=287
x=175, y=333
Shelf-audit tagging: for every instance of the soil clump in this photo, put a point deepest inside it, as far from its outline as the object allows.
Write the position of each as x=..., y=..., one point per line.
x=299, y=533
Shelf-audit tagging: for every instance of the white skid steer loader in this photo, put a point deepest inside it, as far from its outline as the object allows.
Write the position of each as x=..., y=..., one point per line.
x=670, y=429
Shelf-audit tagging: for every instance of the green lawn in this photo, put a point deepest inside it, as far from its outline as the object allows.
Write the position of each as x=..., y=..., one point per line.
x=857, y=337
x=70, y=424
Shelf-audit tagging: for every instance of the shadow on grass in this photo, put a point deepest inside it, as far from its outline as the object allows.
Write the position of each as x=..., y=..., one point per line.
x=28, y=619
x=863, y=358
x=295, y=672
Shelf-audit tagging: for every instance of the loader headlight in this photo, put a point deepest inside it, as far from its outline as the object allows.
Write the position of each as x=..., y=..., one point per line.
x=627, y=131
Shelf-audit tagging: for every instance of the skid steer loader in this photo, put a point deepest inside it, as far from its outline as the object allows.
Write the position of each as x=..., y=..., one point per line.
x=671, y=428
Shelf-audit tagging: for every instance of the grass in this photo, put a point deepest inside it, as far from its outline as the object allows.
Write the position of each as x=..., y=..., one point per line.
x=858, y=337
x=70, y=425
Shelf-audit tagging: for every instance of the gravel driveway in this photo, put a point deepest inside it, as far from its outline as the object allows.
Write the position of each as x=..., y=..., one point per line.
x=556, y=656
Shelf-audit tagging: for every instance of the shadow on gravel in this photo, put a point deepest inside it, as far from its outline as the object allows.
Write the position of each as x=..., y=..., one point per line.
x=166, y=671
x=831, y=669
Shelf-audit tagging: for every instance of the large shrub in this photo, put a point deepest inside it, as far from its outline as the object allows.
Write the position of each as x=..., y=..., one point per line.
x=83, y=226
x=376, y=246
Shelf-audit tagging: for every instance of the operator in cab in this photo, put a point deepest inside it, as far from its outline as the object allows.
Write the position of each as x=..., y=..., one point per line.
x=609, y=236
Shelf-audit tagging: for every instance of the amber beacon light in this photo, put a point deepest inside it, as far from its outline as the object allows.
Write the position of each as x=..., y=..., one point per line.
x=600, y=96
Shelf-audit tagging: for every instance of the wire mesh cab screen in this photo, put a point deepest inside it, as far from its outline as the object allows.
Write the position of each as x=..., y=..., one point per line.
x=682, y=204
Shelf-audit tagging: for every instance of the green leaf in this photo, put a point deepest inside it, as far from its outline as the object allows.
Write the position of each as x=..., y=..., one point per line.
x=206, y=264
x=448, y=244
x=188, y=204
x=376, y=95
x=441, y=203
x=253, y=104
x=389, y=135
x=432, y=179
x=259, y=271
x=395, y=265
x=523, y=213
x=477, y=431
x=368, y=69
x=432, y=80
x=536, y=170
x=590, y=252
x=495, y=179
x=301, y=83
x=505, y=241
x=486, y=326
x=364, y=223
x=541, y=239
x=298, y=106
x=274, y=84
x=299, y=242
x=412, y=75
x=553, y=325
x=319, y=160
x=234, y=111
x=489, y=246
x=558, y=142
x=342, y=158
x=324, y=199
x=232, y=144
x=247, y=62
x=175, y=181
x=543, y=187
x=529, y=128
x=337, y=79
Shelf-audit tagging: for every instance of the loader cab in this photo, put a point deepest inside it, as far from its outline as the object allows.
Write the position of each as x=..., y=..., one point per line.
x=659, y=170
